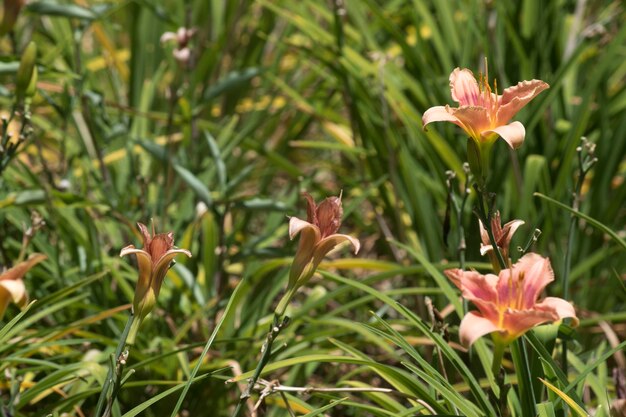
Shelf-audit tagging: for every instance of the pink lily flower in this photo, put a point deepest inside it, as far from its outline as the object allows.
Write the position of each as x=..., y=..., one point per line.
x=154, y=261
x=318, y=236
x=508, y=303
x=12, y=287
x=482, y=114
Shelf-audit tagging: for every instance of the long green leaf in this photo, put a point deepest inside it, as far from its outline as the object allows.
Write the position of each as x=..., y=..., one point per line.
x=227, y=312
x=145, y=405
x=583, y=216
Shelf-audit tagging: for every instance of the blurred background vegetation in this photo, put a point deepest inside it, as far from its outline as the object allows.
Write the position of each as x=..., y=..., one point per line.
x=215, y=136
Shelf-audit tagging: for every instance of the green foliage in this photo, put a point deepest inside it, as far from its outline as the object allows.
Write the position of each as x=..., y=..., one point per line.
x=278, y=97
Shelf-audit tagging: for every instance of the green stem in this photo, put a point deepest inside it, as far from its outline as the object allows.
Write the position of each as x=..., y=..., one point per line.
x=498, y=354
x=499, y=397
x=583, y=169
x=278, y=324
x=284, y=302
x=119, y=371
x=485, y=218
x=524, y=381
x=132, y=333
x=109, y=378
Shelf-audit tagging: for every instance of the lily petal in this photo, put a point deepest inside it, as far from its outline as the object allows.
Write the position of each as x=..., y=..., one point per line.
x=562, y=308
x=330, y=242
x=464, y=88
x=484, y=249
x=12, y=287
x=537, y=274
x=309, y=237
x=513, y=133
x=169, y=256
x=478, y=288
x=18, y=271
x=509, y=229
x=518, y=322
x=474, y=326
x=297, y=225
x=516, y=97
x=439, y=114
x=14, y=290
x=502, y=234
x=474, y=120
x=144, y=260
x=145, y=234
x=328, y=214
x=311, y=210
x=159, y=246
x=162, y=266
x=473, y=285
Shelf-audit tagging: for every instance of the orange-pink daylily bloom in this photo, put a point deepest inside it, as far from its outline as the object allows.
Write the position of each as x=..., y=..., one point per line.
x=154, y=261
x=508, y=303
x=12, y=288
x=485, y=115
x=318, y=236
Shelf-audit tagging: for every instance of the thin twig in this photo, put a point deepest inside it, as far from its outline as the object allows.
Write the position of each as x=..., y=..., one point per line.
x=287, y=405
x=275, y=386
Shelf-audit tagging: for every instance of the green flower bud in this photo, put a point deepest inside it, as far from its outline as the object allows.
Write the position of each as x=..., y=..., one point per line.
x=24, y=84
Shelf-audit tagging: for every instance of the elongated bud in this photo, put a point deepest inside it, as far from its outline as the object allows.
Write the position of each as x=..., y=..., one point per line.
x=32, y=85
x=26, y=71
x=10, y=13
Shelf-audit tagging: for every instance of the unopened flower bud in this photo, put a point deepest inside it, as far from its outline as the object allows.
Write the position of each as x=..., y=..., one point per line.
x=26, y=73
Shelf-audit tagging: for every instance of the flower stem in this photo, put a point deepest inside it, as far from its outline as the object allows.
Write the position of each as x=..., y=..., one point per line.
x=121, y=354
x=284, y=302
x=132, y=333
x=277, y=325
x=498, y=354
x=485, y=218
x=585, y=162
x=524, y=378
x=459, y=209
x=499, y=398
x=120, y=363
